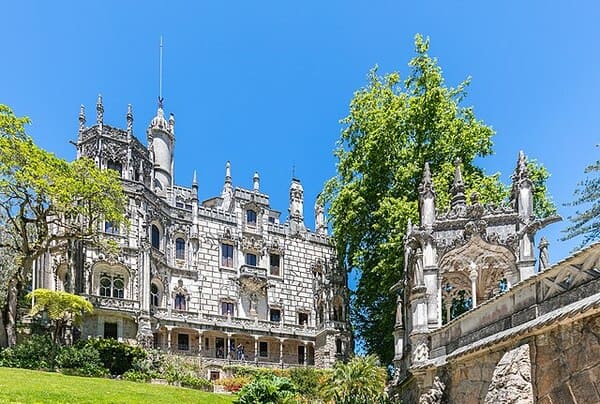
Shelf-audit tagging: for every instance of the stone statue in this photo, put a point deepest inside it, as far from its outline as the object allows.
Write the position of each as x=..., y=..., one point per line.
x=419, y=281
x=544, y=257
x=399, y=314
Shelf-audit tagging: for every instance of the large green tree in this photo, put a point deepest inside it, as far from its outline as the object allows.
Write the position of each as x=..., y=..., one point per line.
x=393, y=128
x=585, y=223
x=43, y=200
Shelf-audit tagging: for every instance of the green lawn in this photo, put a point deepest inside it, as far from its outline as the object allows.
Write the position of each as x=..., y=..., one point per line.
x=29, y=386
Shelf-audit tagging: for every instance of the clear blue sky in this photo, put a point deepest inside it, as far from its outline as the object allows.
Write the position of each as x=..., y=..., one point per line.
x=264, y=83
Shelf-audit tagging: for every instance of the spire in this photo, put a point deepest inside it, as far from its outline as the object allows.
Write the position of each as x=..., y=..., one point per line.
x=81, y=118
x=99, y=110
x=228, y=172
x=195, y=186
x=426, y=185
x=458, y=187
x=256, y=181
x=296, y=209
x=129, y=119
x=172, y=123
x=522, y=188
x=194, y=180
x=521, y=171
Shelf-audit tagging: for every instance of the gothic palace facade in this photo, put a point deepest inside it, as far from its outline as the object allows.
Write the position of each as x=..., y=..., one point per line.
x=222, y=279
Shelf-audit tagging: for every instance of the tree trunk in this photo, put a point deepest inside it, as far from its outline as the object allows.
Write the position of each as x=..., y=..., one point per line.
x=11, y=313
x=3, y=338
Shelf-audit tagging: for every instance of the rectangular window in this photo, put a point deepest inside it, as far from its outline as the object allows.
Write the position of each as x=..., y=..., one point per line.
x=110, y=330
x=227, y=255
x=251, y=217
x=275, y=315
x=179, y=204
x=271, y=220
x=251, y=259
x=338, y=346
x=303, y=318
x=111, y=228
x=275, y=264
x=263, y=349
x=227, y=308
x=180, y=249
x=183, y=342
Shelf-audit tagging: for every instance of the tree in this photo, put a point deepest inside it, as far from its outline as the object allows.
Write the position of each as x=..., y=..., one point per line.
x=45, y=200
x=62, y=309
x=392, y=129
x=361, y=380
x=586, y=223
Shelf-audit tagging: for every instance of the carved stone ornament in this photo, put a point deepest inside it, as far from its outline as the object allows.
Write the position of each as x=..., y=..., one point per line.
x=434, y=394
x=511, y=381
x=421, y=353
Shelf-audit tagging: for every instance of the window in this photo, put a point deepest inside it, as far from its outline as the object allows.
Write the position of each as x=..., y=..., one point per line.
x=275, y=264
x=263, y=349
x=251, y=217
x=338, y=346
x=183, y=342
x=275, y=315
x=251, y=259
x=180, y=249
x=227, y=255
x=227, y=308
x=113, y=165
x=179, y=204
x=180, y=301
x=271, y=220
x=154, y=298
x=110, y=330
x=303, y=318
x=111, y=228
x=112, y=286
x=155, y=237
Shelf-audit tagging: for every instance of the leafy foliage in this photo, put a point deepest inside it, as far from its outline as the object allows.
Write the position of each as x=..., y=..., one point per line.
x=116, y=357
x=361, y=380
x=36, y=352
x=392, y=129
x=267, y=390
x=80, y=361
x=586, y=223
x=60, y=307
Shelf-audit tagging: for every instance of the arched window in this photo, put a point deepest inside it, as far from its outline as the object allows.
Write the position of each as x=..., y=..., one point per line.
x=113, y=165
x=112, y=286
x=155, y=237
x=250, y=216
x=180, y=249
x=154, y=295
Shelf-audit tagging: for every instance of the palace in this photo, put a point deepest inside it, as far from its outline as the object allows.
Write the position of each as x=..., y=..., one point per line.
x=223, y=279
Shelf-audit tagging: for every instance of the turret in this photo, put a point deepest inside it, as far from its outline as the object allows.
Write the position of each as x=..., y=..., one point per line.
x=256, y=182
x=427, y=198
x=161, y=136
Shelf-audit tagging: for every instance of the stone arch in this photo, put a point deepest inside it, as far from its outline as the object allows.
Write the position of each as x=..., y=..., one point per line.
x=157, y=292
x=107, y=279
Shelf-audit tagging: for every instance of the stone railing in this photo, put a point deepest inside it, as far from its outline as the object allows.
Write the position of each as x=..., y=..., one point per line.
x=250, y=270
x=113, y=303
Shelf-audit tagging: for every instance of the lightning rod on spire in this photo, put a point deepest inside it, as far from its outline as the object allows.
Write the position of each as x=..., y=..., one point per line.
x=160, y=71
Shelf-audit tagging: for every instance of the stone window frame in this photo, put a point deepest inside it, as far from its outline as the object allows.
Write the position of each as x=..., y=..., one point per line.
x=111, y=287
x=280, y=310
x=280, y=267
x=177, y=250
x=256, y=258
x=222, y=263
x=251, y=217
x=156, y=237
x=299, y=315
x=110, y=228
x=228, y=302
x=159, y=293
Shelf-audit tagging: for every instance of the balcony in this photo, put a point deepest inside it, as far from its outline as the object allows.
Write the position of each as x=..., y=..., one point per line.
x=252, y=271
x=113, y=303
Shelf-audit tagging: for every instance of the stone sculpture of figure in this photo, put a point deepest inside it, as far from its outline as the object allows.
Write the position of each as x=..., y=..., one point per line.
x=399, y=311
x=544, y=258
x=320, y=225
x=253, y=303
x=418, y=267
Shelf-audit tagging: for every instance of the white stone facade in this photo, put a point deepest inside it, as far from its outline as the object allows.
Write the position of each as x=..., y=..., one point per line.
x=223, y=279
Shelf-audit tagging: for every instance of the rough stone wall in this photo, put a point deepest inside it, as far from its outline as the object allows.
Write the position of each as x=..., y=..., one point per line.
x=511, y=382
x=567, y=364
x=468, y=381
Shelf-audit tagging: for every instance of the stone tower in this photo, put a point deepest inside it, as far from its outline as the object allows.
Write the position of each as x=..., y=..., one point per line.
x=161, y=142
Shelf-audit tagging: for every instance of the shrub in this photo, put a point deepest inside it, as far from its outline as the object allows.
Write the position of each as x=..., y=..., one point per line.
x=81, y=361
x=137, y=376
x=36, y=352
x=267, y=389
x=116, y=356
x=308, y=381
x=234, y=384
x=197, y=383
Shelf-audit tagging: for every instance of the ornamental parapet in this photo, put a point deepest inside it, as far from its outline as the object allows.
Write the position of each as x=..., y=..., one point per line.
x=113, y=303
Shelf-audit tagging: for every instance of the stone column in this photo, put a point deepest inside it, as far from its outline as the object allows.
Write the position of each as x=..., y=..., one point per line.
x=169, y=330
x=473, y=277
x=255, y=349
x=228, y=346
x=281, y=351
x=199, y=343
x=305, y=353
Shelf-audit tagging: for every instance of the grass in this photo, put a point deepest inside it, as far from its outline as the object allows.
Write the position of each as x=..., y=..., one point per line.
x=30, y=386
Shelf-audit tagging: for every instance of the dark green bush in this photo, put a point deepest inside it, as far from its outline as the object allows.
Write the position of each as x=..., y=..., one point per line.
x=116, y=356
x=138, y=376
x=307, y=381
x=197, y=383
x=36, y=352
x=267, y=389
x=81, y=361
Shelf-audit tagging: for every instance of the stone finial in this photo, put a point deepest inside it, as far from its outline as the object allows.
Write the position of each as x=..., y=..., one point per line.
x=195, y=180
x=129, y=119
x=544, y=256
x=81, y=118
x=426, y=185
x=458, y=187
x=296, y=209
x=320, y=222
x=521, y=171
x=172, y=122
x=228, y=172
x=227, y=194
x=256, y=182
x=99, y=110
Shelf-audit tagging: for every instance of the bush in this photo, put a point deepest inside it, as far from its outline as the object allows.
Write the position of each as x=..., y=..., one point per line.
x=116, y=356
x=267, y=389
x=308, y=381
x=234, y=384
x=80, y=361
x=137, y=376
x=36, y=352
x=197, y=383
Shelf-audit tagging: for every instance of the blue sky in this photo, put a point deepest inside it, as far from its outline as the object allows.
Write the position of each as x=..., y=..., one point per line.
x=264, y=84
